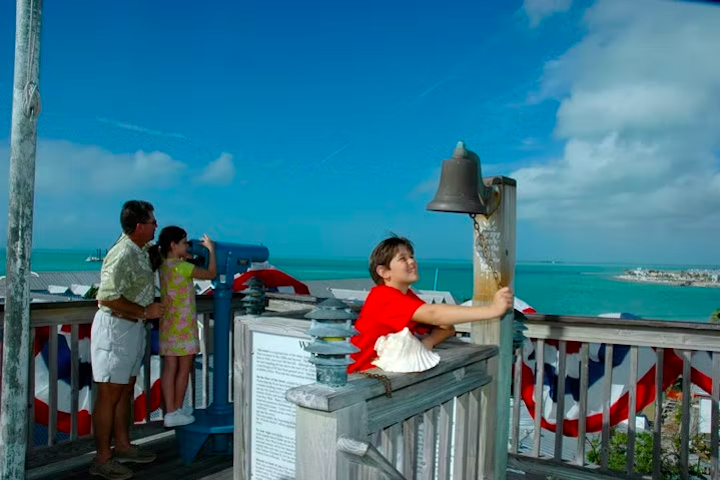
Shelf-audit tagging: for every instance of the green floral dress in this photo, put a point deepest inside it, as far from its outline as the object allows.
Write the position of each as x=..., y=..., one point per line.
x=178, y=325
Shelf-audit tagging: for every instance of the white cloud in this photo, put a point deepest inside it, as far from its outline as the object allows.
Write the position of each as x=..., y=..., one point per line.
x=220, y=171
x=63, y=166
x=640, y=115
x=539, y=10
x=79, y=190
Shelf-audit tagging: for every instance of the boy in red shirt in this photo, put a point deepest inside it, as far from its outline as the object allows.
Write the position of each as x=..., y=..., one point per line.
x=392, y=306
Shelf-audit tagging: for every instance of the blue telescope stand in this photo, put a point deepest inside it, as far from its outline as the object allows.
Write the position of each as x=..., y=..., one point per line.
x=216, y=422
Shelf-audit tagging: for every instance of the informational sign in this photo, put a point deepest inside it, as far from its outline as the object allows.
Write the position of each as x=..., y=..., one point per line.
x=278, y=363
x=274, y=362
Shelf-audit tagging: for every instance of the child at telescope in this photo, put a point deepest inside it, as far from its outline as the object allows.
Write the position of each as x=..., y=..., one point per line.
x=179, y=342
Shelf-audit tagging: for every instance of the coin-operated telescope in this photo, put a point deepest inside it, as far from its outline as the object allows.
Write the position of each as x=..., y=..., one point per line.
x=231, y=258
x=217, y=419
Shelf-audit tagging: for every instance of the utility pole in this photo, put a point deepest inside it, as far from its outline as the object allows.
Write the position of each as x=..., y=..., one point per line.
x=16, y=338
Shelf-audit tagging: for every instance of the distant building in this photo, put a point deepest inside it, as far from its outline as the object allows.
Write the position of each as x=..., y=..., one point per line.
x=74, y=285
x=57, y=286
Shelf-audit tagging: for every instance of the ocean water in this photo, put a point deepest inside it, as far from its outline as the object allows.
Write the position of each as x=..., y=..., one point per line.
x=568, y=289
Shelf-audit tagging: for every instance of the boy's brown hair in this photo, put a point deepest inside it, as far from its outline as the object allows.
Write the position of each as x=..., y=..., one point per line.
x=384, y=252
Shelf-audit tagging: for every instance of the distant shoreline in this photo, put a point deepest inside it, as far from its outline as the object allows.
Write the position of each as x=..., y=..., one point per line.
x=685, y=278
x=671, y=283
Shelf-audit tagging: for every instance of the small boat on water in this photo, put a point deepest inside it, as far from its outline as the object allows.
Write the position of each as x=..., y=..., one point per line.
x=98, y=257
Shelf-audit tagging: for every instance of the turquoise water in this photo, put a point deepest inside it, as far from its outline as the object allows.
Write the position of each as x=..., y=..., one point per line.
x=569, y=289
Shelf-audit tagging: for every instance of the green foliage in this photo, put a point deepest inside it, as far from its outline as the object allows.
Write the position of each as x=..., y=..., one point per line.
x=677, y=414
x=90, y=295
x=669, y=458
x=715, y=316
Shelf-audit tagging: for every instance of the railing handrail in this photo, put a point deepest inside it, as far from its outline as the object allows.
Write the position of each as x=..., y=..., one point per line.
x=81, y=312
x=675, y=335
x=611, y=322
x=454, y=354
x=206, y=300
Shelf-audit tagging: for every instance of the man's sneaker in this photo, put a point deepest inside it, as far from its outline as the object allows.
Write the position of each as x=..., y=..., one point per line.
x=187, y=410
x=111, y=469
x=177, y=419
x=134, y=454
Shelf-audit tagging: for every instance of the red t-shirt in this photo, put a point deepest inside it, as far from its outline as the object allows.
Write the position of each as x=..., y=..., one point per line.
x=386, y=310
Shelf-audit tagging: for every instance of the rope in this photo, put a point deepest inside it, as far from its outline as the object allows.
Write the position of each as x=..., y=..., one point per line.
x=31, y=93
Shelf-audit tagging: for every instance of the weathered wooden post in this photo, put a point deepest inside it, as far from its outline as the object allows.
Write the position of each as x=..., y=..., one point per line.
x=16, y=338
x=493, y=268
x=491, y=204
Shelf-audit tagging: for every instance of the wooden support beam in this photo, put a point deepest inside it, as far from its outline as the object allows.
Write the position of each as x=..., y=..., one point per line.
x=493, y=268
x=21, y=186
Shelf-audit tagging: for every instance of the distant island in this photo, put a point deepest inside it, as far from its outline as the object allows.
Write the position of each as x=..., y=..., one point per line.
x=681, y=278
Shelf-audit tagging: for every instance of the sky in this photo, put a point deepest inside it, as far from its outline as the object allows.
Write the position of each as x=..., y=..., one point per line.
x=317, y=128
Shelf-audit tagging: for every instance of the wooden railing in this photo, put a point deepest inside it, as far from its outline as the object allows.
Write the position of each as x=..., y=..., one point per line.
x=428, y=428
x=46, y=319
x=690, y=351
x=423, y=405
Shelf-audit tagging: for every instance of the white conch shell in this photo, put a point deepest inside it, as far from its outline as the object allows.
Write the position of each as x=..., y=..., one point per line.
x=402, y=352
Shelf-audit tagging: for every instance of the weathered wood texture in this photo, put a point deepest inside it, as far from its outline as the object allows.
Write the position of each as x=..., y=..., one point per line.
x=558, y=470
x=642, y=333
x=317, y=456
x=675, y=338
x=21, y=188
x=417, y=398
x=241, y=382
x=361, y=409
x=366, y=454
x=44, y=314
x=245, y=326
x=454, y=354
x=44, y=462
x=70, y=314
x=168, y=465
x=494, y=267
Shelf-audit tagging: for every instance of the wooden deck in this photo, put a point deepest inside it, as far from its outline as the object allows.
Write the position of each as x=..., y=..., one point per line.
x=167, y=466
x=515, y=475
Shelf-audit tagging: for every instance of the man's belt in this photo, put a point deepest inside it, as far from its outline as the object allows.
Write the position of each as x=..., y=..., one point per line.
x=125, y=317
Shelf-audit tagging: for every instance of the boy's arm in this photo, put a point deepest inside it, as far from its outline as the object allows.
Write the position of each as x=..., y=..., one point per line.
x=440, y=314
x=437, y=335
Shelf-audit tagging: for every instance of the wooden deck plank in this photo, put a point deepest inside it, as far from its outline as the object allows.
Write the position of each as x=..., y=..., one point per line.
x=517, y=475
x=41, y=458
x=168, y=466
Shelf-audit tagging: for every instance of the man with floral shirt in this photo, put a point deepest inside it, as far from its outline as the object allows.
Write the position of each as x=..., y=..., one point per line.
x=126, y=298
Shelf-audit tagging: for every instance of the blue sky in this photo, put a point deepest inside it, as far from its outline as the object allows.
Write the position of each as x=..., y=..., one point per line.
x=317, y=128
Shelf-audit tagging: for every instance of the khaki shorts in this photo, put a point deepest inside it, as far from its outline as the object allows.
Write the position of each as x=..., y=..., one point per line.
x=117, y=348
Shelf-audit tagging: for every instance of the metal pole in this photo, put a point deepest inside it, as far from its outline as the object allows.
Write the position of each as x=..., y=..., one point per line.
x=16, y=339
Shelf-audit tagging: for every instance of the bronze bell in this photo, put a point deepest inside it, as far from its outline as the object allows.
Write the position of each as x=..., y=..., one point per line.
x=461, y=188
